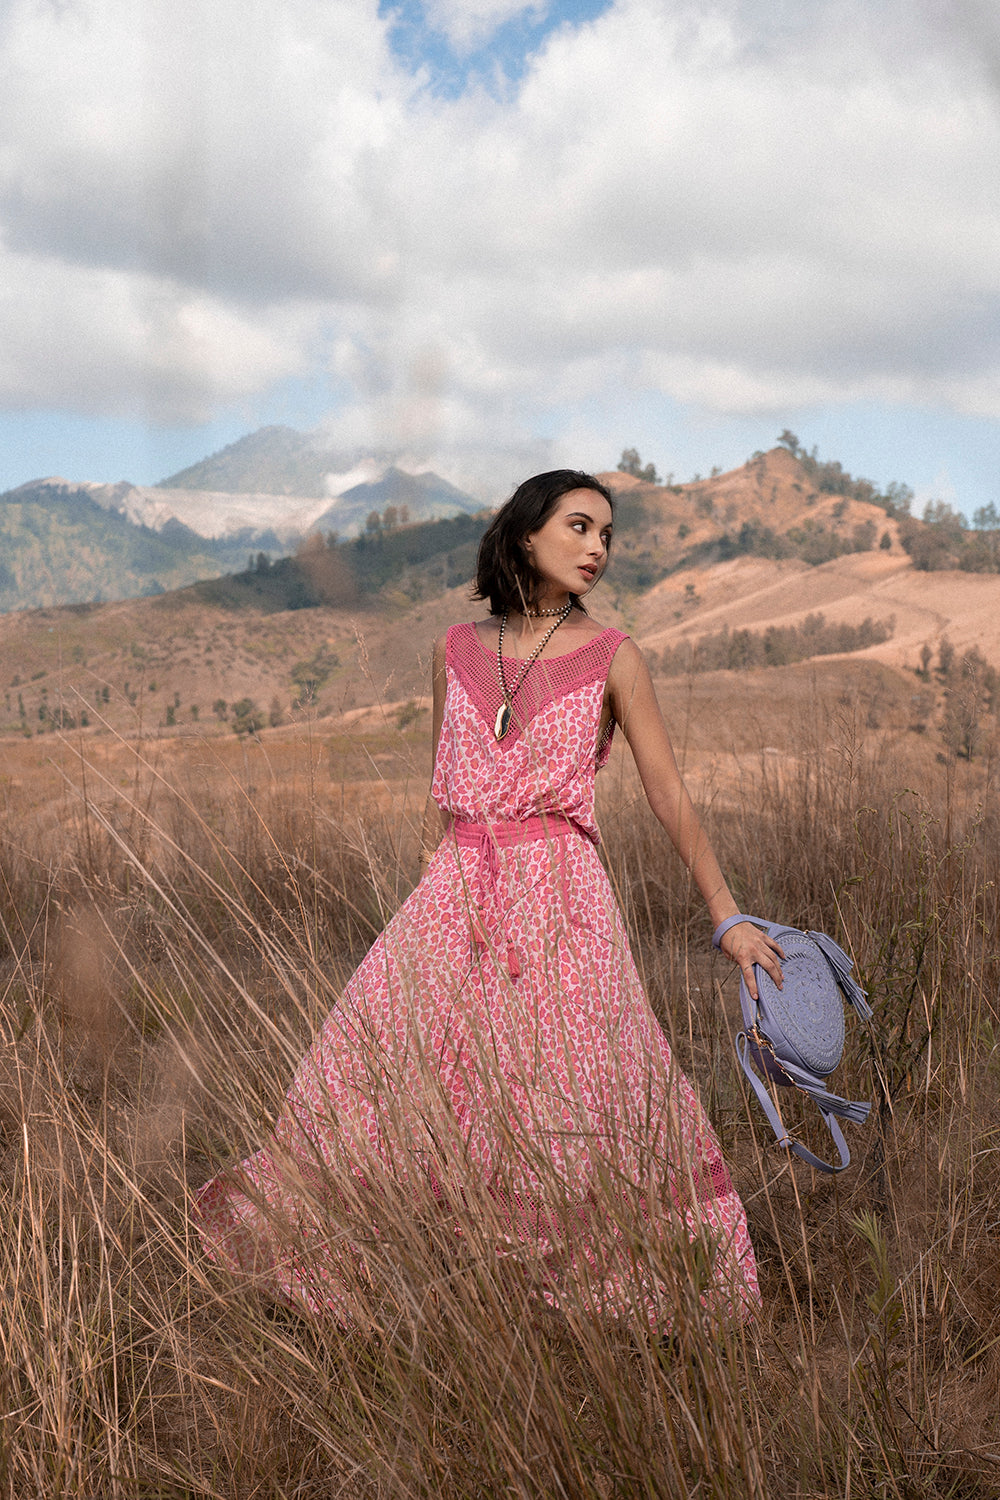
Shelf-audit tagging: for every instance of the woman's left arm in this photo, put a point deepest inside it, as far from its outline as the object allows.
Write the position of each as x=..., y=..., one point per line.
x=435, y=821
x=632, y=700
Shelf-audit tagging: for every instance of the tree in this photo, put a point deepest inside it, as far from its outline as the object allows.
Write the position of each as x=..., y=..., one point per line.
x=986, y=518
x=631, y=463
x=790, y=441
x=310, y=675
x=896, y=499
x=940, y=513
x=924, y=669
x=247, y=717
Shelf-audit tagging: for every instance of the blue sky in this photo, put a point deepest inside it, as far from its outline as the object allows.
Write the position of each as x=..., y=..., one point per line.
x=496, y=59
x=491, y=237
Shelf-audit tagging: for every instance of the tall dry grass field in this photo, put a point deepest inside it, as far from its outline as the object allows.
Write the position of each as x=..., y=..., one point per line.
x=167, y=945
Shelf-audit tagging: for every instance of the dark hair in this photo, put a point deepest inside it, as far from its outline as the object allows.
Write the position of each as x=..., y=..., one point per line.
x=504, y=573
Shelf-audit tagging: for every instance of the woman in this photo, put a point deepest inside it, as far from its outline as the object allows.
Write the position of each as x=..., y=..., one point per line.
x=496, y=1039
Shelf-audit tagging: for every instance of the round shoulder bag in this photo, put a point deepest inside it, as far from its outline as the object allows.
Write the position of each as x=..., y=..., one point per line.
x=795, y=1036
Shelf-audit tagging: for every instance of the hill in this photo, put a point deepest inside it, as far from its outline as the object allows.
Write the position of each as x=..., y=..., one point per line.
x=343, y=625
x=768, y=507
x=66, y=543
x=58, y=545
x=403, y=497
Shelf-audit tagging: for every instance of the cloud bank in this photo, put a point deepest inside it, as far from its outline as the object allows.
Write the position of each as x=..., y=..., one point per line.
x=741, y=205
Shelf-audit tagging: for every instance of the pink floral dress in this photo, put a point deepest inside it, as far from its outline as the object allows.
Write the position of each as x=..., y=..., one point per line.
x=497, y=1035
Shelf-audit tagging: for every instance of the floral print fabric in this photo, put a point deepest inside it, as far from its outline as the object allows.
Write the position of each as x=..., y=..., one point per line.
x=497, y=1036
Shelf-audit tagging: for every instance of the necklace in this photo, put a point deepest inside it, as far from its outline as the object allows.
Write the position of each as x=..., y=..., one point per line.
x=537, y=614
x=506, y=709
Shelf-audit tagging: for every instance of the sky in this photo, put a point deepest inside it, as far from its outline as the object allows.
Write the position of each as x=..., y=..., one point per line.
x=490, y=238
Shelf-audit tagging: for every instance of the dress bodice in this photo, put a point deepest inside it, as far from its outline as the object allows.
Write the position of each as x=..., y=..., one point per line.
x=547, y=761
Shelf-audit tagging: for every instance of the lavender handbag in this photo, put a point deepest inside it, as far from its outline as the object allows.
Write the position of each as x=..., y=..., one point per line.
x=795, y=1035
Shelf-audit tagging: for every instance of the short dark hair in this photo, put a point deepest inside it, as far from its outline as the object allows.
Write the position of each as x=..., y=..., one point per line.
x=504, y=573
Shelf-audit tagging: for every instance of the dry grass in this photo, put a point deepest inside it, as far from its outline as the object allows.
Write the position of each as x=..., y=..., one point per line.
x=164, y=955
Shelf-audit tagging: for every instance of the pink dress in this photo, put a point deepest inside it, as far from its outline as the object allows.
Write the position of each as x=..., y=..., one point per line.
x=496, y=1038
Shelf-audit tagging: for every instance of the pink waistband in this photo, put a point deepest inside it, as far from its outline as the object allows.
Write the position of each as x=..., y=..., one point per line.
x=504, y=832
x=488, y=839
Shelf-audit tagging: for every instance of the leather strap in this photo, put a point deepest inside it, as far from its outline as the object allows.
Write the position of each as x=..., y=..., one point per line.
x=724, y=927
x=777, y=1124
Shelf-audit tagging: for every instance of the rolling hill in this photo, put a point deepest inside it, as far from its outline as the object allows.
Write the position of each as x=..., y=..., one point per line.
x=343, y=627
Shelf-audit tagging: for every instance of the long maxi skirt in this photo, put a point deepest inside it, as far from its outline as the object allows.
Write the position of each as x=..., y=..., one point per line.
x=495, y=1055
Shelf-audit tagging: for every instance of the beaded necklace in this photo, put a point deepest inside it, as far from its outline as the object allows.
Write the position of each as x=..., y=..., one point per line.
x=506, y=710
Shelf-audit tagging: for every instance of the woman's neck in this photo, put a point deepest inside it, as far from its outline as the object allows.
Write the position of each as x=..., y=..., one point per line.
x=537, y=617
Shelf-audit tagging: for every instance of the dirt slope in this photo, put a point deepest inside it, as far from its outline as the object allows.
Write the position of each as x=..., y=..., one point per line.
x=163, y=664
x=753, y=593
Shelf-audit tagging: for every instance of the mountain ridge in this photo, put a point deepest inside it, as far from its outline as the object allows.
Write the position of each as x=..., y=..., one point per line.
x=65, y=543
x=345, y=625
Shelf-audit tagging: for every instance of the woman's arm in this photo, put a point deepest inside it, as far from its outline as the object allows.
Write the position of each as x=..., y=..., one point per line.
x=435, y=821
x=633, y=703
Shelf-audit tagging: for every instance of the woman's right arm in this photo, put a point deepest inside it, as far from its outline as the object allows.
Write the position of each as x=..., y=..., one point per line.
x=435, y=821
x=635, y=708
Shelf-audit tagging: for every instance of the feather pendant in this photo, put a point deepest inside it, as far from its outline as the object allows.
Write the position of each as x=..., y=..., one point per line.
x=502, y=724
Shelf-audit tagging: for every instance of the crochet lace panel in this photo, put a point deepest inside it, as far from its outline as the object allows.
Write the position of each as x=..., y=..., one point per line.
x=546, y=679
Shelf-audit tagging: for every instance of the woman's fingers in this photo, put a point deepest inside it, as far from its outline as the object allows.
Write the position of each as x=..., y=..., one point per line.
x=756, y=949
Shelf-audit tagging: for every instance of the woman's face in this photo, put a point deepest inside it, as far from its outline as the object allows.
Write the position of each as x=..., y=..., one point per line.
x=570, y=550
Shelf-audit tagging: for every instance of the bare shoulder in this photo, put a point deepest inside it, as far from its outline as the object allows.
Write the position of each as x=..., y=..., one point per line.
x=628, y=663
x=488, y=630
x=585, y=628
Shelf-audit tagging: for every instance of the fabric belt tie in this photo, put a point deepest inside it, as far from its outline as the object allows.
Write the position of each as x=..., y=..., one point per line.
x=489, y=839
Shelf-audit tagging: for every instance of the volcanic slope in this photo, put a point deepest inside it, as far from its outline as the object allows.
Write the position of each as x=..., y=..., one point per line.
x=180, y=663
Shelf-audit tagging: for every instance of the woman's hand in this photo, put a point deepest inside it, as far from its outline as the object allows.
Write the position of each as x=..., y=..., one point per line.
x=746, y=945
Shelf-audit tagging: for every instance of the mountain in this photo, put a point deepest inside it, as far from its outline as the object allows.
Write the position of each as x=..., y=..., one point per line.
x=59, y=545
x=415, y=497
x=272, y=522
x=281, y=461
x=341, y=628
x=278, y=461
x=63, y=543
x=273, y=461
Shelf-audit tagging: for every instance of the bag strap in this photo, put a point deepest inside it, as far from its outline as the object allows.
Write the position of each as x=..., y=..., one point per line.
x=776, y=1123
x=769, y=927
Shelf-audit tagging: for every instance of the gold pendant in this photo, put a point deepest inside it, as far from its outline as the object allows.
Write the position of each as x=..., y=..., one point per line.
x=502, y=724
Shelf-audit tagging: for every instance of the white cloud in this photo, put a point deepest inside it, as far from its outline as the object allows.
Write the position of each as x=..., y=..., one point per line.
x=745, y=206
x=470, y=23
x=105, y=343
